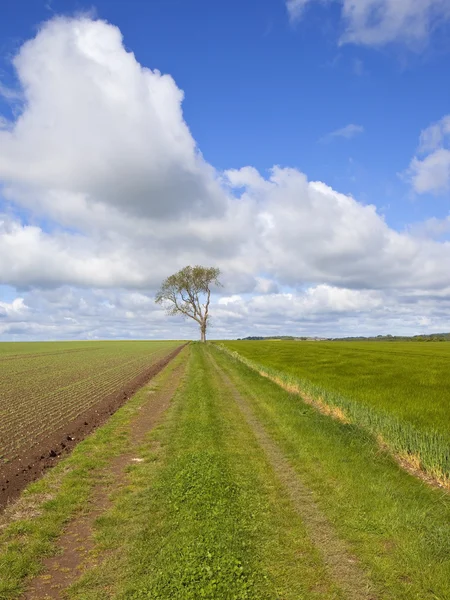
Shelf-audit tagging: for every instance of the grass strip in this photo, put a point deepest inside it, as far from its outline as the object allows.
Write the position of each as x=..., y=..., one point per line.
x=204, y=516
x=31, y=526
x=422, y=450
x=342, y=565
x=397, y=525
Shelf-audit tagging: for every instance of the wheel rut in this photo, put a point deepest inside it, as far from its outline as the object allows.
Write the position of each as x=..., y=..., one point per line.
x=343, y=566
x=76, y=545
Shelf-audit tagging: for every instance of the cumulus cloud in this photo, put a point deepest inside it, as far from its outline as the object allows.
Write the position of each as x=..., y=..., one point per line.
x=308, y=232
x=319, y=299
x=101, y=149
x=432, y=228
x=331, y=312
x=12, y=310
x=105, y=193
x=69, y=313
x=347, y=132
x=378, y=22
x=429, y=170
x=99, y=125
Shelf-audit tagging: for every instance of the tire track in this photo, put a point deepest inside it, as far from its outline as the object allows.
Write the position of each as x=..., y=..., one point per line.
x=342, y=564
x=76, y=544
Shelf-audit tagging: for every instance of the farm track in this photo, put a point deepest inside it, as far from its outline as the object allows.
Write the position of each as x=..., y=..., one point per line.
x=342, y=564
x=30, y=465
x=243, y=492
x=75, y=552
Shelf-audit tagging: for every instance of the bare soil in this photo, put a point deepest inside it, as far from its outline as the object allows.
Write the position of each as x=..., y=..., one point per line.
x=17, y=474
x=76, y=545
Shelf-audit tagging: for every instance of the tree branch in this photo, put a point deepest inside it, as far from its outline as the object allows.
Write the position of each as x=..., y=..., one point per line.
x=185, y=290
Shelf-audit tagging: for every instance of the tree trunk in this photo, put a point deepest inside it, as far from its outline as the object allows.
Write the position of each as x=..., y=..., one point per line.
x=203, y=332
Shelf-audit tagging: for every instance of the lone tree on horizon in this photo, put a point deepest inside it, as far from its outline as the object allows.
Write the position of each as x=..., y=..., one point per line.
x=188, y=293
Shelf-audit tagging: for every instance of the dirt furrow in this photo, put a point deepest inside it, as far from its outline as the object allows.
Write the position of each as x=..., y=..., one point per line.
x=342, y=564
x=76, y=545
x=17, y=474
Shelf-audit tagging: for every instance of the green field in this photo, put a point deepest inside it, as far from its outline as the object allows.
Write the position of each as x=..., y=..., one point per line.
x=411, y=381
x=238, y=491
x=45, y=385
x=398, y=390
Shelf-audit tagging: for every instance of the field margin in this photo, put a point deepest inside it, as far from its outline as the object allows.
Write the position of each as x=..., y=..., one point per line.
x=425, y=455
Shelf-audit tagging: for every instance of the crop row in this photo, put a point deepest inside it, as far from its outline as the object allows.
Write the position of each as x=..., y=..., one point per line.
x=33, y=387
x=61, y=396
x=38, y=399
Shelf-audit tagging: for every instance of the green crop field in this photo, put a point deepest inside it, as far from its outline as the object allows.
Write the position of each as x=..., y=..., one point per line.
x=398, y=390
x=214, y=482
x=46, y=385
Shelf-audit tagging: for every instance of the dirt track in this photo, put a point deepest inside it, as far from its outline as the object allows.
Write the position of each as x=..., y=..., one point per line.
x=76, y=543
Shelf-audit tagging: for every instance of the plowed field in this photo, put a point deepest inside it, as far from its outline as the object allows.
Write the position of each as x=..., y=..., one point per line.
x=45, y=387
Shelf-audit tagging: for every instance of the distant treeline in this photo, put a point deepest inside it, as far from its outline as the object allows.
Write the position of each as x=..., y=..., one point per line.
x=280, y=337
x=432, y=337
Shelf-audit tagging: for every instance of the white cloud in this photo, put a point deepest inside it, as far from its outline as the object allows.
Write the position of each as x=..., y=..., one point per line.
x=4, y=123
x=429, y=170
x=330, y=311
x=347, y=132
x=102, y=150
x=318, y=310
x=378, y=22
x=432, y=173
x=296, y=8
x=435, y=135
x=14, y=309
x=307, y=232
x=432, y=228
x=108, y=194
x=226, y=300
x=9, y=94
x=98, y=125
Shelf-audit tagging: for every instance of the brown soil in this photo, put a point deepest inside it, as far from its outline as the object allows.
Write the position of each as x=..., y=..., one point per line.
x=17, y=474
x=76, y=545
x=342, y=564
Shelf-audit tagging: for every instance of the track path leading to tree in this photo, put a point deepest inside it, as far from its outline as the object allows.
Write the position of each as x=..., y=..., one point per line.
x=231, y=488
x=76, y=548
x=341, y=563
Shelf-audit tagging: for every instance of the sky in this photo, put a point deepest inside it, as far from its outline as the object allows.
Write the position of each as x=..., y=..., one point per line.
x=301, y=146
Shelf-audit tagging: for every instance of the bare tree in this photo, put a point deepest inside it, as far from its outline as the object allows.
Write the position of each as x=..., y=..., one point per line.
x=188, y=293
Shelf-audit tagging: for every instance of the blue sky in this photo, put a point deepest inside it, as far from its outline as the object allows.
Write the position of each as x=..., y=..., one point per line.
x=266, y=86
x=263, y=91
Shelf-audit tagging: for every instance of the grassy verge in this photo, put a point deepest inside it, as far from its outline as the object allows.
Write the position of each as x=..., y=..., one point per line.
x=425, y=450
x=395, y=524
x=410, y=381
x=30, y=527
x=204, y=515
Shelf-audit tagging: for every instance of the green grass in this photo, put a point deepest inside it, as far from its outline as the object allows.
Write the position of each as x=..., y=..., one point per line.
x=207, y=515
x=411, y=381
x=30, y=528
x=397, y=525
x=204, y=516
x=400, y=391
